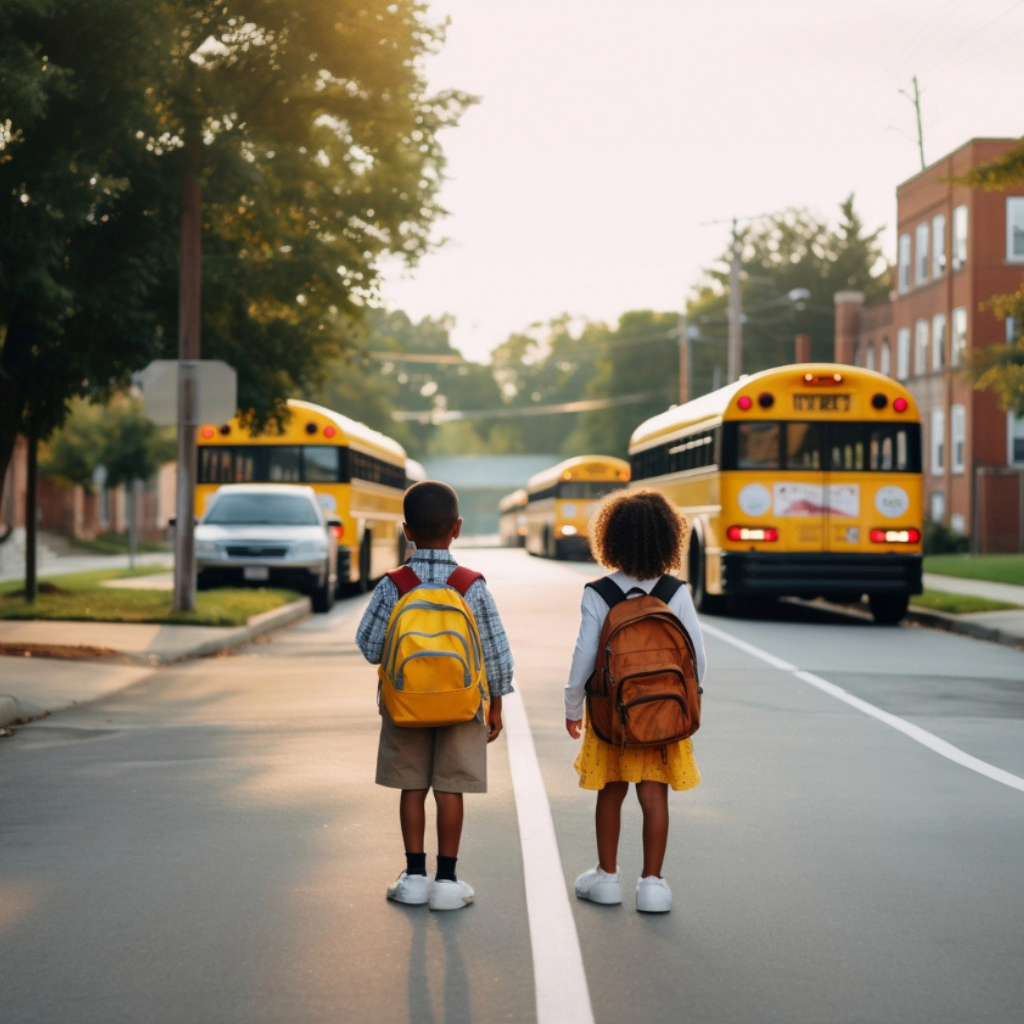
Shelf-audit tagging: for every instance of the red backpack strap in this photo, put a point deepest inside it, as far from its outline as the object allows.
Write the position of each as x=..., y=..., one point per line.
x=404, y=579
x=462, y=579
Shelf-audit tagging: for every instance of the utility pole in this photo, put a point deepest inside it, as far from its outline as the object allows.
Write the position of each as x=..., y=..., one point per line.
x=685, y=368
x=916, y=100
x=189, y=323
x=735, y=344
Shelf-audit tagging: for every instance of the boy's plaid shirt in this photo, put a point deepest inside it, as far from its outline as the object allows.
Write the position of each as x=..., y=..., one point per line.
x=435, y=566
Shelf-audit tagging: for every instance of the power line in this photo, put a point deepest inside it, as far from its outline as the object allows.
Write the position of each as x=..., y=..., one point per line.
x=585, y=405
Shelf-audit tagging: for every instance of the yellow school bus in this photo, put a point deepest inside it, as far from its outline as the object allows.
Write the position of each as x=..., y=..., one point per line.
x=512, y=519
x=800, y=481
x=358, y=474
x=560, y=500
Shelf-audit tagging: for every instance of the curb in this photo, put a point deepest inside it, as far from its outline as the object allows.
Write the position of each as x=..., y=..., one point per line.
x=954, y=624
x=258, y=625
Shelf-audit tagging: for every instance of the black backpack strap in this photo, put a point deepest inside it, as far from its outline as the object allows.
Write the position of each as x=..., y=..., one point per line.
x=666, y=588
x=609, y=590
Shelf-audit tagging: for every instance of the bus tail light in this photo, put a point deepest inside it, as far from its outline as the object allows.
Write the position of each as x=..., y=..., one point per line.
x=763, y=533
x=569, y=530
x=907, y=536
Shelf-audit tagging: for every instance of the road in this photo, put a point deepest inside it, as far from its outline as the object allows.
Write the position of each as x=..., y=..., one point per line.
x=208, y=844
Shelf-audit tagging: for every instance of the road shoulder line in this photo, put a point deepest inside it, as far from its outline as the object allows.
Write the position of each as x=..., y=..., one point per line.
x=914, y=732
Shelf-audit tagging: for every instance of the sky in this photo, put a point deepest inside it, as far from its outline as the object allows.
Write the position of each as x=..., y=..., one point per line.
x=615, y=140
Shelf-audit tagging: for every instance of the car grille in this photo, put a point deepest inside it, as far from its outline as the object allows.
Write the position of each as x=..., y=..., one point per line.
x=256, y=550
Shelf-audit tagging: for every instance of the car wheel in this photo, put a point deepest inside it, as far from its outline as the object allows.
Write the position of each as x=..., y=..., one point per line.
x=323, y=596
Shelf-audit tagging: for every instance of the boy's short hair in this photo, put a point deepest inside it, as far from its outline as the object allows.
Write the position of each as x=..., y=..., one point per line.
x=639, y=532
x=431, y=509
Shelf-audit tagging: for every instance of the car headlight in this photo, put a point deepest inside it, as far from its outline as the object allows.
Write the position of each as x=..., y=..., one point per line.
x=206, y=547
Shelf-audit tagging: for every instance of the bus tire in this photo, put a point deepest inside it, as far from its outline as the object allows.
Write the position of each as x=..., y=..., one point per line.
x=703, y=601
x=365, y=563
x=888, y=609
x=549, y=544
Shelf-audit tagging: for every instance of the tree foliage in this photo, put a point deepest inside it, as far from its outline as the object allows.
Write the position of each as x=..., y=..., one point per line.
x=320, y=154
x=116, y=436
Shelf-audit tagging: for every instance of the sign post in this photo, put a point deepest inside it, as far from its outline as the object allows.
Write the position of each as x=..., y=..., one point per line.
x=185, y=393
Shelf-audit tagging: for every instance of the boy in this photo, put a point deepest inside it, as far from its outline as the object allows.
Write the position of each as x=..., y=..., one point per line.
x=450, y=760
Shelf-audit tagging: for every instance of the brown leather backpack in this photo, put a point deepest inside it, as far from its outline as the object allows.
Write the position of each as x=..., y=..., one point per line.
x=644, y=691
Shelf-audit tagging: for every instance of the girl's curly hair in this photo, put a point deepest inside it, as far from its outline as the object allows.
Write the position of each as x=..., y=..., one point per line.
x=639, y=532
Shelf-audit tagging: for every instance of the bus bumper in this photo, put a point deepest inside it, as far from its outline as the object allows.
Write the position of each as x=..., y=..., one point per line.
x=834, y=576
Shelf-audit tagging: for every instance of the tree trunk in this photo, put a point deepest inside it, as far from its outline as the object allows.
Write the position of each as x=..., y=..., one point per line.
x=31, y=513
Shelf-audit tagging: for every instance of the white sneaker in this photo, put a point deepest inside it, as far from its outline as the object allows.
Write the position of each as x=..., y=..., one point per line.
x=448, y=895
x=599, y=886
x=653, y=896
x=408, y=888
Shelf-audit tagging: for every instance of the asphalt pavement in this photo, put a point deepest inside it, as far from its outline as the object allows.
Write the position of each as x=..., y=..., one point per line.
x=46, y=666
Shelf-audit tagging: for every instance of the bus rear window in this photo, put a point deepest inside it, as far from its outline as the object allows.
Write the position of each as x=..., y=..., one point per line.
x=821, y=445
x=587, y=489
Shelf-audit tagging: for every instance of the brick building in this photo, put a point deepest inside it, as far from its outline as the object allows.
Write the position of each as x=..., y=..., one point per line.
x=956, y=247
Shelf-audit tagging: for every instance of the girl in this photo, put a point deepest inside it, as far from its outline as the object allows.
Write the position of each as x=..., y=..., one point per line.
x=639, y=534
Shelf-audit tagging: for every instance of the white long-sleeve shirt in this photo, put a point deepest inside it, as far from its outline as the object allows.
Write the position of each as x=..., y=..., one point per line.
x=593, y=612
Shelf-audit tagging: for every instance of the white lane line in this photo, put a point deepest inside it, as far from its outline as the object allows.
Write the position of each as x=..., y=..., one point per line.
x=559, y=978
x=915, y=732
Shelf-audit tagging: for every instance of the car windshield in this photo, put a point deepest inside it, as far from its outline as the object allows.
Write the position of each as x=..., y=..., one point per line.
x=261, y=510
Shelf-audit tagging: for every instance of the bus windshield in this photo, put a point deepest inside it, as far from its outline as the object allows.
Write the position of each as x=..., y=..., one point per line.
x=821, y=445
x=584, y=489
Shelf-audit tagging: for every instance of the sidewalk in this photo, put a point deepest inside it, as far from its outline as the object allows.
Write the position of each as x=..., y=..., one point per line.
x=47, y=666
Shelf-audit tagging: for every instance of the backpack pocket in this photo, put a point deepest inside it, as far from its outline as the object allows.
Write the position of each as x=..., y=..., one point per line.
x=653, y=709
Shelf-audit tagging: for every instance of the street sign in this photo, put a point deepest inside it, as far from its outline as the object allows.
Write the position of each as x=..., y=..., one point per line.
x=217, y=385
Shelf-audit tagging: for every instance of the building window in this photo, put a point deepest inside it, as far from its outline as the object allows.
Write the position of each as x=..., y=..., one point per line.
x=904, y=271
x=938, y=245
x=921, y=345
x=921, y=256
x=1011, y=330
x=937, y=506
x=938, y=441
x=885, y=358
x=903, y=353
x=870, y=361
x=1016, y=439
x=959, y=237
x=1015, y=229
x=938, y=341
x=959, y=352
x=957, y=437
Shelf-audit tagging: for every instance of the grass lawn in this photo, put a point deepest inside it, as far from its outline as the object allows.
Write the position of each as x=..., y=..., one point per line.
x=80, y=597
x=957, y=604
x=996, y=568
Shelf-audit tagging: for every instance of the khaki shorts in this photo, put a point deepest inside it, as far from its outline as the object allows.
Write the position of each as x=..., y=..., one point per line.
x=450, y=758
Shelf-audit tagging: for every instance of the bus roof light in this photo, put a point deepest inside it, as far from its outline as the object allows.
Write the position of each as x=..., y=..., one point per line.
x=208, y=432
x=310, y=428
x=766, y=399
x=226, y=429
x=329, y=431
x=744, y=402
x=900, y=405
x=879, y=401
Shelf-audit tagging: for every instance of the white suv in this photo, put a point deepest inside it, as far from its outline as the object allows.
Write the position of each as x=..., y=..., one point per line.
x=267, y=535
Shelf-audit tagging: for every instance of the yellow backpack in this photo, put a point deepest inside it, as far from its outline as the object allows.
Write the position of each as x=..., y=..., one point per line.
x=432, y=671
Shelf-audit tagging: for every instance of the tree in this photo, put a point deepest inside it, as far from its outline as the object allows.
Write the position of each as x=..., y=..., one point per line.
x=1000, y=368
x=318, y=154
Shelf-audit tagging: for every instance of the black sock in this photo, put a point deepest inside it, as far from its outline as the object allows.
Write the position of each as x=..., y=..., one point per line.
x=415, y=863
x=446, y=869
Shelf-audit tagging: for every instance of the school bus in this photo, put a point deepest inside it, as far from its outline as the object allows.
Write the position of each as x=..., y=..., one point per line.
x=512, y=519
x=800, y=481
x=561, y=498
x=358, y=474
